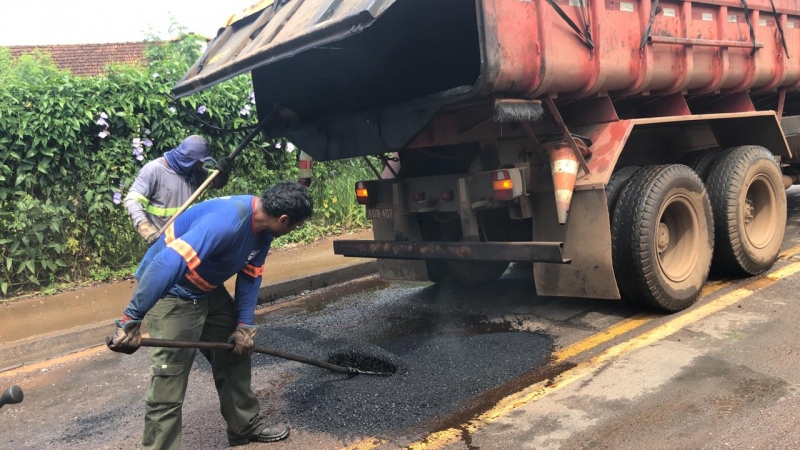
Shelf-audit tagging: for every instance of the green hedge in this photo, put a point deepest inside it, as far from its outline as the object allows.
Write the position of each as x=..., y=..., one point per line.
x=69, y=151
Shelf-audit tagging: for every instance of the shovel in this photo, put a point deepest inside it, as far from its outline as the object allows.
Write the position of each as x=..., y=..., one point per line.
x=146, y=342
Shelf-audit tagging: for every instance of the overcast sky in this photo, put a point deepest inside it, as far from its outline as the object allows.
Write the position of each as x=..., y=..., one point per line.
x=42, y=22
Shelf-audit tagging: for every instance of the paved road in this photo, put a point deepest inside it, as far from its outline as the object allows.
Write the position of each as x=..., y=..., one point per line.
x=488, y=368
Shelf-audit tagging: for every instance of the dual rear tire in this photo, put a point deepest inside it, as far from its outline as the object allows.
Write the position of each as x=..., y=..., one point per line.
x=662, y=237
x=667, y=226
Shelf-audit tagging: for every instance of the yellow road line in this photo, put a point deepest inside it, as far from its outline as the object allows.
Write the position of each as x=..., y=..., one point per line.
x=784, y=272
x=711, y=288
x=534, y=392
x=789, y=252
x=604, y=336
x=366, y=444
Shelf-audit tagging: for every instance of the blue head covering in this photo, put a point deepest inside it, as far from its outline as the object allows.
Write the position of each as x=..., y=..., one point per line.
x=183, y=159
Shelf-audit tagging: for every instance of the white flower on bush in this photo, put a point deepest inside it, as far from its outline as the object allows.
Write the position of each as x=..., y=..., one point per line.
x=138, y=151
x=172, y=109
x=101, y=121
x=245, y=111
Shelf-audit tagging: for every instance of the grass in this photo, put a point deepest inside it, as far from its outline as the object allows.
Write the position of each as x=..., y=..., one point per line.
x=336, y=210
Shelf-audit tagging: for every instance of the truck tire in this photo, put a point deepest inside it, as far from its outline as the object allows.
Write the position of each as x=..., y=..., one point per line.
x=749, y=202
x=701, y=161
x=662, y=237
x=476, y=273
x=615, y=184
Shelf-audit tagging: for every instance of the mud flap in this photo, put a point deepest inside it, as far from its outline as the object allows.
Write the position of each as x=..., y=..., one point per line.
x=587, y=241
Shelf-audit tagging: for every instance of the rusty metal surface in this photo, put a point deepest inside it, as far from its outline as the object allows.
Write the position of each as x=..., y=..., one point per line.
x=732, y=129
x=697, y=47
x=702, y=42
x=468, y=251
x=587, y=242
x=608, y=139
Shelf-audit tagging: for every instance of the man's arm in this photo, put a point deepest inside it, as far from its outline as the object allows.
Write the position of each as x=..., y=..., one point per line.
x=181, y=256
x=139, y=195
x=161, y=275
x=248, y=283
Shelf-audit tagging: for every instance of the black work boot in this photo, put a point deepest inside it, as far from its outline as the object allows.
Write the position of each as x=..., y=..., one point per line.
x=271, y=433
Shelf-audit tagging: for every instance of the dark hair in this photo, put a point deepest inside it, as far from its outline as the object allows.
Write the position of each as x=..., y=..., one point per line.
x=288, y=198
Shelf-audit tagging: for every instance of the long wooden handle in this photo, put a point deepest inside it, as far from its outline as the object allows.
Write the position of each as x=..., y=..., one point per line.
x=146, y=342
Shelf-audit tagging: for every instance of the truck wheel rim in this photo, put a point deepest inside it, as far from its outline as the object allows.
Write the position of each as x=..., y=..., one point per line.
x=759, y=212
x=677, y=238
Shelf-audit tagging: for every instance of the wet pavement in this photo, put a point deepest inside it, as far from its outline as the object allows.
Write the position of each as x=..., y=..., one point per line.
x=492, y=368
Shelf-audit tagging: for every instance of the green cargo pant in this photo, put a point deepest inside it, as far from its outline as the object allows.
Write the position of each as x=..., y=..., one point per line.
x=210, y=319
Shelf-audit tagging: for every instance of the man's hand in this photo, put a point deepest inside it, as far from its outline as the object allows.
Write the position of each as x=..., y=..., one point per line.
x=127, y=337
x=224, y=164
x=243, y=339
x=148, y=232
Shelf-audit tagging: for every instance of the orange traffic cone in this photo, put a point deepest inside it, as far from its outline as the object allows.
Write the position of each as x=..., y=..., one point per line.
x=564, y=167
x=304, y=163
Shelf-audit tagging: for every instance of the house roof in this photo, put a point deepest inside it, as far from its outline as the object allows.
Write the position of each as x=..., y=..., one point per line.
x=87, y=59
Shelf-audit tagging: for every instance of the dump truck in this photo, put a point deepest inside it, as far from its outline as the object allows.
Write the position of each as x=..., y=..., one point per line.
x=624, y=148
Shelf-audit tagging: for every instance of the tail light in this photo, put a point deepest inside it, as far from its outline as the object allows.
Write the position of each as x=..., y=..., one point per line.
x=503, y=185
x=363, y=193
x=304, y=164
x=507, y=184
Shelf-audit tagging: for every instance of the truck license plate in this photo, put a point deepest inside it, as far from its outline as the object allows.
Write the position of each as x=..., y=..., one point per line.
x=379, y=213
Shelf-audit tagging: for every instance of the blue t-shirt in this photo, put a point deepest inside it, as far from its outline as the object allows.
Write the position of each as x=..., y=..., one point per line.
x=205, y=246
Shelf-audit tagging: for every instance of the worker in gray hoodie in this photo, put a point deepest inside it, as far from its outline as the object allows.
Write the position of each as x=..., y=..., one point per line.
x=165, y=183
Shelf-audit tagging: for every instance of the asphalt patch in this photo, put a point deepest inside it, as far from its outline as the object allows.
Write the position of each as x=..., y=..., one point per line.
x=440, y=373
x=366, y=357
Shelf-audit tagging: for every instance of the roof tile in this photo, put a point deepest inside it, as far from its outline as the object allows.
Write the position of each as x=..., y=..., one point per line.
x=88, y=59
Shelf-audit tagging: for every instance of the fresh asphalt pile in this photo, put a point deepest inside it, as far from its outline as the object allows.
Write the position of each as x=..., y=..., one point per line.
x=441, y=373
x=445, y=355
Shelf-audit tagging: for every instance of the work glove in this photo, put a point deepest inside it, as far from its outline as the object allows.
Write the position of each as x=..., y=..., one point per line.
x=243, y=340
x=224, y=164
x=148, y=232
x=127, y=336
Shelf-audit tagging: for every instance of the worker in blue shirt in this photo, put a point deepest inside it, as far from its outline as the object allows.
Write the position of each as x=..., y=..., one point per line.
x=178, y=293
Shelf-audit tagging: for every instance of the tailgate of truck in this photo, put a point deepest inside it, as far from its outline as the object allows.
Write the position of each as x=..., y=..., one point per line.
x=276, y=32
